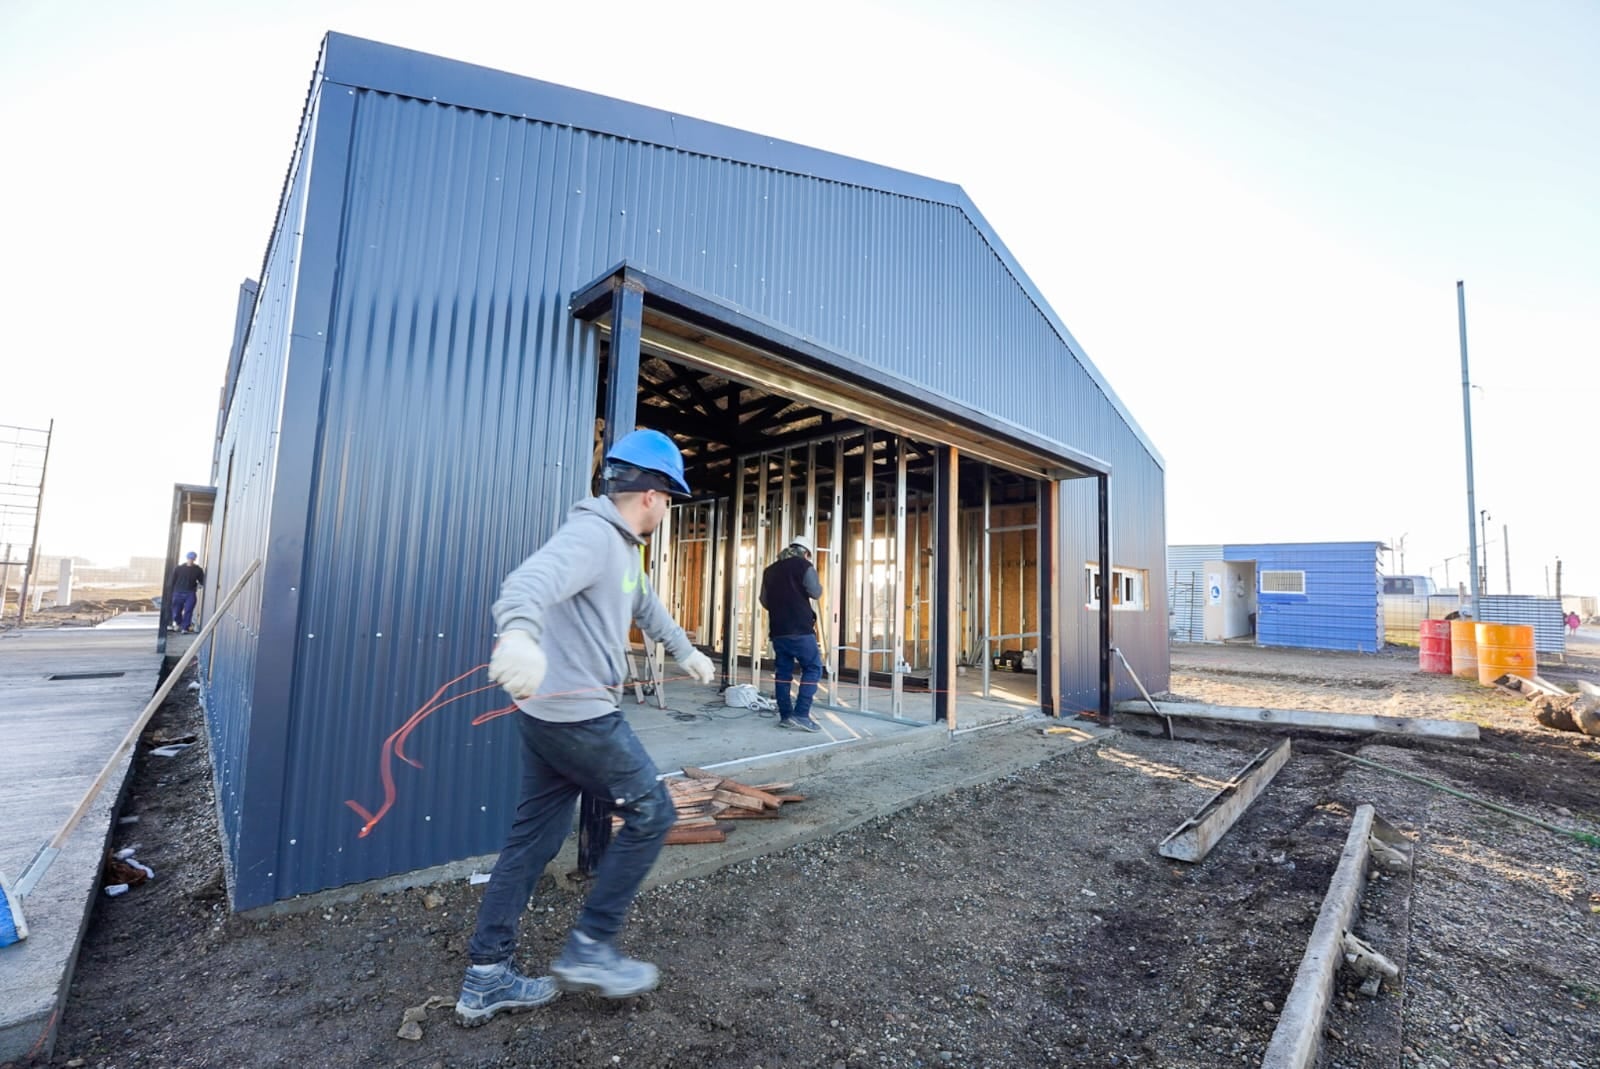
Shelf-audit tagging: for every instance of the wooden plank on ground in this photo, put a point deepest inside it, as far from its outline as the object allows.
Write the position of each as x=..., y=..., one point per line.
x=1193, y=839
x=694, y=836
x=787, y=798
x=699, y=773
x=1297, y=1040
x=735, y=787
x=1311, y=718
x=739, y=800
x=748, y=814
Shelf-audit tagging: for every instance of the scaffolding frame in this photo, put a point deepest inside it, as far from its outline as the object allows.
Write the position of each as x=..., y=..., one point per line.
x=22, y=504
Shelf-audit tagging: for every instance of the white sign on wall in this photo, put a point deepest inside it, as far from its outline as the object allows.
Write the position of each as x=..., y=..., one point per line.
x=1214, y=589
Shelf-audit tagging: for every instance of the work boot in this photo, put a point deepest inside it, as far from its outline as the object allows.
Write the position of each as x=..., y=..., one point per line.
x=587, y=964
x=489, y=990
x=805, y=723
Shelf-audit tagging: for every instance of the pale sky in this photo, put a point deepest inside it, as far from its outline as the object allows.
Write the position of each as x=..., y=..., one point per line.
x=1251, y=214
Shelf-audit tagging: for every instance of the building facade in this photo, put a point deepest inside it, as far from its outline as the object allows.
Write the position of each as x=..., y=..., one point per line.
x=475, y=281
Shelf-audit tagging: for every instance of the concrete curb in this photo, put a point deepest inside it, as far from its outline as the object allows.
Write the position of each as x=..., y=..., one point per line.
x=1298, y=1038
x=58, y=914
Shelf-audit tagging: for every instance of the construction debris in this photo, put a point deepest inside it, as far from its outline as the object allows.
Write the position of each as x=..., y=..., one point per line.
x=411, y=1020
x=707, y=804
x=1365, y=961
x=1194, y=838
x=1556, y=708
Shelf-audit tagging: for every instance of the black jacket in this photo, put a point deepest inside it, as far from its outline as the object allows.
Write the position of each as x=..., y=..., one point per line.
x=787, y=587
x=185, y=577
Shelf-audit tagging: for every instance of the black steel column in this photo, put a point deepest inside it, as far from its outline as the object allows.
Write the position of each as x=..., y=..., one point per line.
x=1049, y=599
x=622, y=380
x=1104, y=483
x=622, y=397
x=946, y=611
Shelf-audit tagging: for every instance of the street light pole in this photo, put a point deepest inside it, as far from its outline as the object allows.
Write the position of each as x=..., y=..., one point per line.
x=1505, y=542
x=1483, y=586
x=1466, y=422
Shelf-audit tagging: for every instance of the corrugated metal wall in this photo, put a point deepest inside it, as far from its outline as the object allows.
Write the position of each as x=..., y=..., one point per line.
x=246, y=460
x=1186, y=567
x=1544, y=614
x=1342, y=606
x=457, y=408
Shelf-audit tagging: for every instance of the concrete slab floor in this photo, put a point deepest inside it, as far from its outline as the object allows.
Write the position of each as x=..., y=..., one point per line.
x=58, y=734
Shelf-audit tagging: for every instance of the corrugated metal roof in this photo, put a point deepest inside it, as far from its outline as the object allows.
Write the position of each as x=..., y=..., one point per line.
x=836, y=202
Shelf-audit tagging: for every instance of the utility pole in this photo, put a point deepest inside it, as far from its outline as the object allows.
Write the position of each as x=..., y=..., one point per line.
x=1505, y=541
x=1466, y=422
x=1558, y=577
x=1483, y=576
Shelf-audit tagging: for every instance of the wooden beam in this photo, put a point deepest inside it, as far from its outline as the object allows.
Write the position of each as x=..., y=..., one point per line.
x=1298, y=1038
x=1311, y=718
x=1193, y=839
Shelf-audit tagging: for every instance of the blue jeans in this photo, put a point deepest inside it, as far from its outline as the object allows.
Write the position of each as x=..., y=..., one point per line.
x=604, y=757
x=792, y=650
x=182, y=608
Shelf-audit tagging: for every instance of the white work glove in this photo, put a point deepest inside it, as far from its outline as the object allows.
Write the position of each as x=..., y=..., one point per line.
x=518, y=664
x=698, y=665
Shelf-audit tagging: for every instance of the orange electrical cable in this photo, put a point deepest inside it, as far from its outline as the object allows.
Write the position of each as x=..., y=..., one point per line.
x=394, y=745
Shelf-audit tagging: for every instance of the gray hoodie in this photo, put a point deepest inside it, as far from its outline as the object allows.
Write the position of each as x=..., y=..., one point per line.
x=578, y=596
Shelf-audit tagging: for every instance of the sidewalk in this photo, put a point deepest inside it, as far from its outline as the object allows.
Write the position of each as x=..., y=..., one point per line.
x=58, y=734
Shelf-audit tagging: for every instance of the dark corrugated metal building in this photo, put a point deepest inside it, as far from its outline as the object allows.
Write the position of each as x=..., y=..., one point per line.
x=463, y=270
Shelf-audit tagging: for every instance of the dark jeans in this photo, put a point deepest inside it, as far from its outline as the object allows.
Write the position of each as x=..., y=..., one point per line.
x=604, y=757
x=792, y=650
x=182, y=608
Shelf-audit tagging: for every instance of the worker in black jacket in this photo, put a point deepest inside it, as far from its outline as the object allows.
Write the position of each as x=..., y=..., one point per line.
x=186, y=577
x=787, y=588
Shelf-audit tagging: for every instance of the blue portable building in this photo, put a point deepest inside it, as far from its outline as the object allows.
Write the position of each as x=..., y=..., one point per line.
x=474, y=279
x=1310, y=595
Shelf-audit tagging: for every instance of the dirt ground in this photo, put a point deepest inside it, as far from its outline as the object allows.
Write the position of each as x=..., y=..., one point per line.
x=90, y=606
x=1029, y=922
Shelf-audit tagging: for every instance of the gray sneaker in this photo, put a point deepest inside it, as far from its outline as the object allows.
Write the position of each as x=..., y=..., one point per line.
x=588, y=965
x=501, y=989
x=805, y=723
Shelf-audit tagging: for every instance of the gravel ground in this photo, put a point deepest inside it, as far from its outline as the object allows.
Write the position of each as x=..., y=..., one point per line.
x=1028, y=922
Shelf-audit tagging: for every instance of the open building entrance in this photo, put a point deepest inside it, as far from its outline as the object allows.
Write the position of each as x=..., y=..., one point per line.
x=1231, y=604
x=866, y=500
x=936, y=535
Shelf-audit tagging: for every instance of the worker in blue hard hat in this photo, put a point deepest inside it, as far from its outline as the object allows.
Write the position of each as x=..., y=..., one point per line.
x=563, y=618
x=187, y=578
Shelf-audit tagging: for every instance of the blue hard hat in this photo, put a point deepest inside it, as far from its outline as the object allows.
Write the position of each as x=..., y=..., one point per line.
x=652, y=451
x=190, y=554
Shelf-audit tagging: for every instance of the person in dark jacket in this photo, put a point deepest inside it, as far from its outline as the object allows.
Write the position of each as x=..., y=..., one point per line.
x=186, y=577
x=787, y=588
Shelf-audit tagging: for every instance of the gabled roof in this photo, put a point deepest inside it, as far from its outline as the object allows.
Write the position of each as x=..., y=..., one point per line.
x=363, y=64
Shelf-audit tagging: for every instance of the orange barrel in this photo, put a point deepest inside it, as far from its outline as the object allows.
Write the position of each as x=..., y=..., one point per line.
x=1435, y=646
x=1464, y=649
x=1504, y=648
